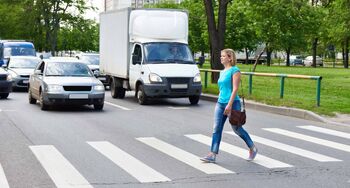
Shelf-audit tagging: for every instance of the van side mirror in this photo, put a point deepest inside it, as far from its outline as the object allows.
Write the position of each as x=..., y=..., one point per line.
x=135, y=59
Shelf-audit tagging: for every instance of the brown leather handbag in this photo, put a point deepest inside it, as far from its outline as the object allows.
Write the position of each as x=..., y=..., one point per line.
x=238, y=117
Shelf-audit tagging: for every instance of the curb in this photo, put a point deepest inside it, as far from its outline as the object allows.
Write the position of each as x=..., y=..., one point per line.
x=294, y=112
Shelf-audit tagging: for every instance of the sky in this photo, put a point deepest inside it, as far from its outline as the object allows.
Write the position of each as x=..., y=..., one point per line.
x=94, y=14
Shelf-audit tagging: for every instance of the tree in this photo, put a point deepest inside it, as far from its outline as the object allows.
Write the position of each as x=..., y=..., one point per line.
x=216, y=30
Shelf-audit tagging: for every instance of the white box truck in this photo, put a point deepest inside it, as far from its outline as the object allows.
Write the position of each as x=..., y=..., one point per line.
x=146, y=51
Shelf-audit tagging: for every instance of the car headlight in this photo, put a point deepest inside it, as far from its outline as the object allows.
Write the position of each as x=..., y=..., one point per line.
x=155, y=78
x=99, y=88
x=54, y=88
x=9, y=77
x=197, y=78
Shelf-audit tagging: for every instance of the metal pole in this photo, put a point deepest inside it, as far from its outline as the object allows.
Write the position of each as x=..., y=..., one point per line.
x=282, y=87
x=250, y=83
x=318, y=91
x=205, y=79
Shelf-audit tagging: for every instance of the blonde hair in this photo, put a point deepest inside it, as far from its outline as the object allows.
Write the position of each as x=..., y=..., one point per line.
x=231, y=54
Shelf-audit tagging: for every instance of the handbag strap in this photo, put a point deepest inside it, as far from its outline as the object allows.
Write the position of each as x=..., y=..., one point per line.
x=243, y=102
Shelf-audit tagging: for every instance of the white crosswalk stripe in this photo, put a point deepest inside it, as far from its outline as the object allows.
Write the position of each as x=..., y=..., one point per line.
x=326, y=131
x=3, y=180
x=184, y=156
x=291, y=149
x=315, y=140
x=130, y=164
x=242, y=153
x=61, y=171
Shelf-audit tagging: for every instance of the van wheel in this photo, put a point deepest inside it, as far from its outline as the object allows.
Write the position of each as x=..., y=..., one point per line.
x=4, y=95
x=31, y=99
x=194, y=99
x=113, y=89
x=43, y=106
x=141, y=96
x=120, y=92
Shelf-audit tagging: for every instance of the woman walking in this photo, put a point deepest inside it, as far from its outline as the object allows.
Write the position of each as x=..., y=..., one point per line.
x=228, y=99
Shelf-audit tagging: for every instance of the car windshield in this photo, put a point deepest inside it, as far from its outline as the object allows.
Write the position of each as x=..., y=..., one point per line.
x=23, y=63
x=68, y=69
x=91, y=59
x=18, y=51
x=156, y=53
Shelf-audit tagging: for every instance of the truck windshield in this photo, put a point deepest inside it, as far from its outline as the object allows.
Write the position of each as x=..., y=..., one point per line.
x=161, y=53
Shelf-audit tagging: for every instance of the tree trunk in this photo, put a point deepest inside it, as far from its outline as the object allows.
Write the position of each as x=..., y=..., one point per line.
x=346, y=63
x=257, y=60
x=268, y=56
x=343, y=55
x=314, y=52
x=246, y=56
x=216, y=34
x=288, y=55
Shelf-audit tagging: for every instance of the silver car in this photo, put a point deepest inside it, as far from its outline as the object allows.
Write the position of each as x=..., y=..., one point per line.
x=20, y=67
x=65, y=82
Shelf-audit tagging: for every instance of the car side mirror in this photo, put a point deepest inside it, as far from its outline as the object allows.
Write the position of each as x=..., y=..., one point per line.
x=38, y=72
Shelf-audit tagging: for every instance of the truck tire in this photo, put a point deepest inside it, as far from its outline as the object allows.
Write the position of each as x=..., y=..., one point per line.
x=141, y=95
x=194, y=99
x=4, y=95
x=114, y=88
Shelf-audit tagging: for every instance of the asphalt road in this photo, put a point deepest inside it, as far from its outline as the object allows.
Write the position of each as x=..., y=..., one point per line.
x=159, y=145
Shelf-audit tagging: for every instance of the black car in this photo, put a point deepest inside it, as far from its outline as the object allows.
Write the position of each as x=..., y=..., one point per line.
x=5, y=84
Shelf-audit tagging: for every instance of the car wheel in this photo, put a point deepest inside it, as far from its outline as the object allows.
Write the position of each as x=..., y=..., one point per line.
x=141, y=96
x=43, y=106
x=31, y=99
x=4, y=95
x=98, y=106
x=194, y=99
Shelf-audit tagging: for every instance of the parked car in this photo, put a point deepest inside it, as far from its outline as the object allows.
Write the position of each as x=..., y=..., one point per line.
x=308, y=61
x=15, y=48
x=20, y=68
x=65, y=82
x=5, y=84
x=296, y=60
x=93, y=62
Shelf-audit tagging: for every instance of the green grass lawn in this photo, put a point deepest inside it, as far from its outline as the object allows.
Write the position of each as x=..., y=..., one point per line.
x=299, y=93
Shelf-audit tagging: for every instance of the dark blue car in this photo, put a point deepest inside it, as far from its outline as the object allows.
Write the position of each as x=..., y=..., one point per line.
x=15, y=48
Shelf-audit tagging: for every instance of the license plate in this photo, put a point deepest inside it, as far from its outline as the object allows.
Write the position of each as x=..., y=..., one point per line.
x=25, y=81
x=178, y=86
x=102, y=78
x=78, y=96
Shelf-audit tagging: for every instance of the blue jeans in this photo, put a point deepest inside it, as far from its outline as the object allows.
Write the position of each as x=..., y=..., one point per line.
x=220, y=119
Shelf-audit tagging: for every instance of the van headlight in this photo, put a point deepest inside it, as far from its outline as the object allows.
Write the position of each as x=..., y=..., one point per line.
x=99, y=88
x=155, y=78
x=9, y=77
x=197, y=78
x=54, y=88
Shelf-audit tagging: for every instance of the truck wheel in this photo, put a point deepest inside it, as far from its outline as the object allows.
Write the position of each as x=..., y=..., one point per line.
x=194, y=99
x=114, y=92
x=141, y=96
x=120, y=92
x=4, y=95
x=31, y=99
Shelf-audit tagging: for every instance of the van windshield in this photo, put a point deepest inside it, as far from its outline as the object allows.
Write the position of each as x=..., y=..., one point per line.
x=18, y=51
x=161, y=53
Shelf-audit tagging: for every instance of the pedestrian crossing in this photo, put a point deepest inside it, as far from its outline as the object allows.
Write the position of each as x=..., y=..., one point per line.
x=64, y=174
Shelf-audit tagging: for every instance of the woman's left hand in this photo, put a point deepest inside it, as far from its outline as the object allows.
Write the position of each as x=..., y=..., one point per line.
x=228, y=109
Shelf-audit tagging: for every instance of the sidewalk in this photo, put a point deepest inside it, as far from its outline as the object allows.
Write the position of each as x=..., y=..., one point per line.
x=340, y=119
